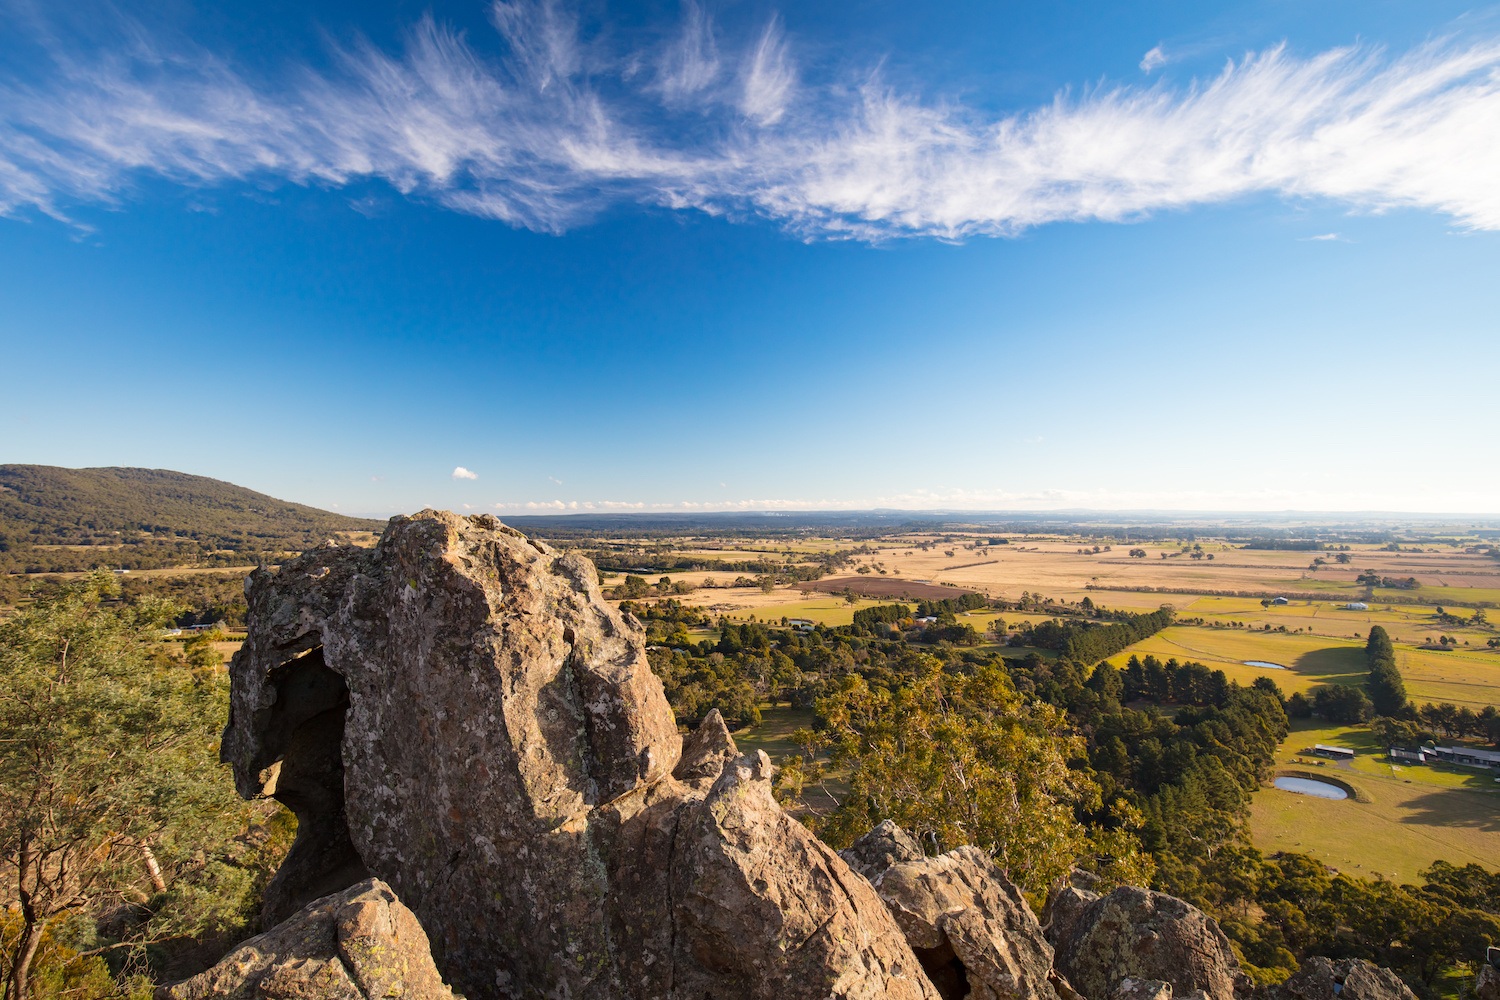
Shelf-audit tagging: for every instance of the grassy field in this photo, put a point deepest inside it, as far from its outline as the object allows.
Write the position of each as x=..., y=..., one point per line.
x=1414, y=816
x=774, y=736
x=1464, y=676
x=1309, y=660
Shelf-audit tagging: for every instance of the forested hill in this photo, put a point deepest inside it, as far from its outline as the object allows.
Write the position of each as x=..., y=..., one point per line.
x=55, y=520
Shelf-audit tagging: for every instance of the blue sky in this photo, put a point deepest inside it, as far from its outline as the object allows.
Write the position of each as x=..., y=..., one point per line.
x=729, y=256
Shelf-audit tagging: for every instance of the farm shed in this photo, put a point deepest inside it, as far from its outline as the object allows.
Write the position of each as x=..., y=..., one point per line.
x=1333, y=753
x=1408, y=756
x=1468, y=756
x=1356, y=606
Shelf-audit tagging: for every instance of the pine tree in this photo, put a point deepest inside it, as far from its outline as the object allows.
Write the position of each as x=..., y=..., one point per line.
x=1385, y=686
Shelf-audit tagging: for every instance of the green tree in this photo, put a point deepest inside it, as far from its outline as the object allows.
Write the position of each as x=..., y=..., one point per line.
x=1384, y=684
x=959, y=760
x=109, y=785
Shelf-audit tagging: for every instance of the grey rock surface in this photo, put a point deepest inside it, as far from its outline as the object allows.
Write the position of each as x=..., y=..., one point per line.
x=885, y=845
x=1137, y=933
x=969, y=925
x=359, y=944
x=506, y=762
x=1321, y=978
x=706, y=752
x=1131, y=988
x=1487, y=986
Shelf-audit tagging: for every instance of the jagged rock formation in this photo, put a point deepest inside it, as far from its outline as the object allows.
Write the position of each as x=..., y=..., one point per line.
x=969, y=925
x=1140, y=934
x=506, y=760
x=1321, y=978
x=360, y=944
x=459, y=713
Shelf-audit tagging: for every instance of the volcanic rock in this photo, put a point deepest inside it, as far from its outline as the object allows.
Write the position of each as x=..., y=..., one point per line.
x=1131, y=988
x=505, y=761
x=1140, y=934
x=1487, y=986
x=359, y=944
x=969, y=925
x=1321, y=978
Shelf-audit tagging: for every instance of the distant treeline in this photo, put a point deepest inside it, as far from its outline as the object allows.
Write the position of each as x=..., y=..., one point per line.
x=1290, y=595
x=1090, y=642
x=1284, y=544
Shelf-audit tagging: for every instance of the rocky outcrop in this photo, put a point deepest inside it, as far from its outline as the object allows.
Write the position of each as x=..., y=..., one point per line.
x=1140, y=934
x=458, y=712
x=1131, y=988
x=1321, y=978
x=359, y=944
x=706, y=752
x=970, y=927
x=885, y=845
x=1487, y=986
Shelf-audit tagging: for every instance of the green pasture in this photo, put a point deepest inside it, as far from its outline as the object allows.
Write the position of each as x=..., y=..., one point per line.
x=1466, y=676
x=774, y=735
x=830, y=610
x=1414, y=816
x=1310, y=660
x=1351, y=591
x=1412, y=623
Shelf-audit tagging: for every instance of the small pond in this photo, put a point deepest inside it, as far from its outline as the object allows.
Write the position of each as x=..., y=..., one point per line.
x=1267, y=664
x=1307, y=786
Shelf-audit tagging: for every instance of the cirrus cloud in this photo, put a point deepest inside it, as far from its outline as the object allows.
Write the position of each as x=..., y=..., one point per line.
x=552, y=130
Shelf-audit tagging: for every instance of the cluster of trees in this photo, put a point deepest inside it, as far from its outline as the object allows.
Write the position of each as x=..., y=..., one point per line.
x=1284, y=544
x=866, y=619
x=1169, y=683
x=951, y=605
x=1398, y=721
x=1370, y=578
x=955, y=757
x=1427, y=723
x=56, y=520
x=1089, y=642
x=1342, y=703
x=1142, y=775
x=1386, y=688
x=197, y=599
x=1309, y=909
x=791, y=568
x=635, y=587
x=125, y=846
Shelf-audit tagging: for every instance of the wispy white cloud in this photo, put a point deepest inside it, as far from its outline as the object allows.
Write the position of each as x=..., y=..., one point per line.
x=459, y=472
x=1153, y=60
x=769, y=78
x=1325, y=238
x=690, y=63
x=552, y=131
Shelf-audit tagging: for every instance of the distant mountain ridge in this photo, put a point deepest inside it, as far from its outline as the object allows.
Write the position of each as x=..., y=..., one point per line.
x=54, y=519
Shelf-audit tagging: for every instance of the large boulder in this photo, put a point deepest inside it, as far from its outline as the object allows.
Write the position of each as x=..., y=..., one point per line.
x=458, y=712
x=1487, y=986
x=1321, y=978
x=772, y=912
x=359, y=944
x=1140, y=934
x=969, y=925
